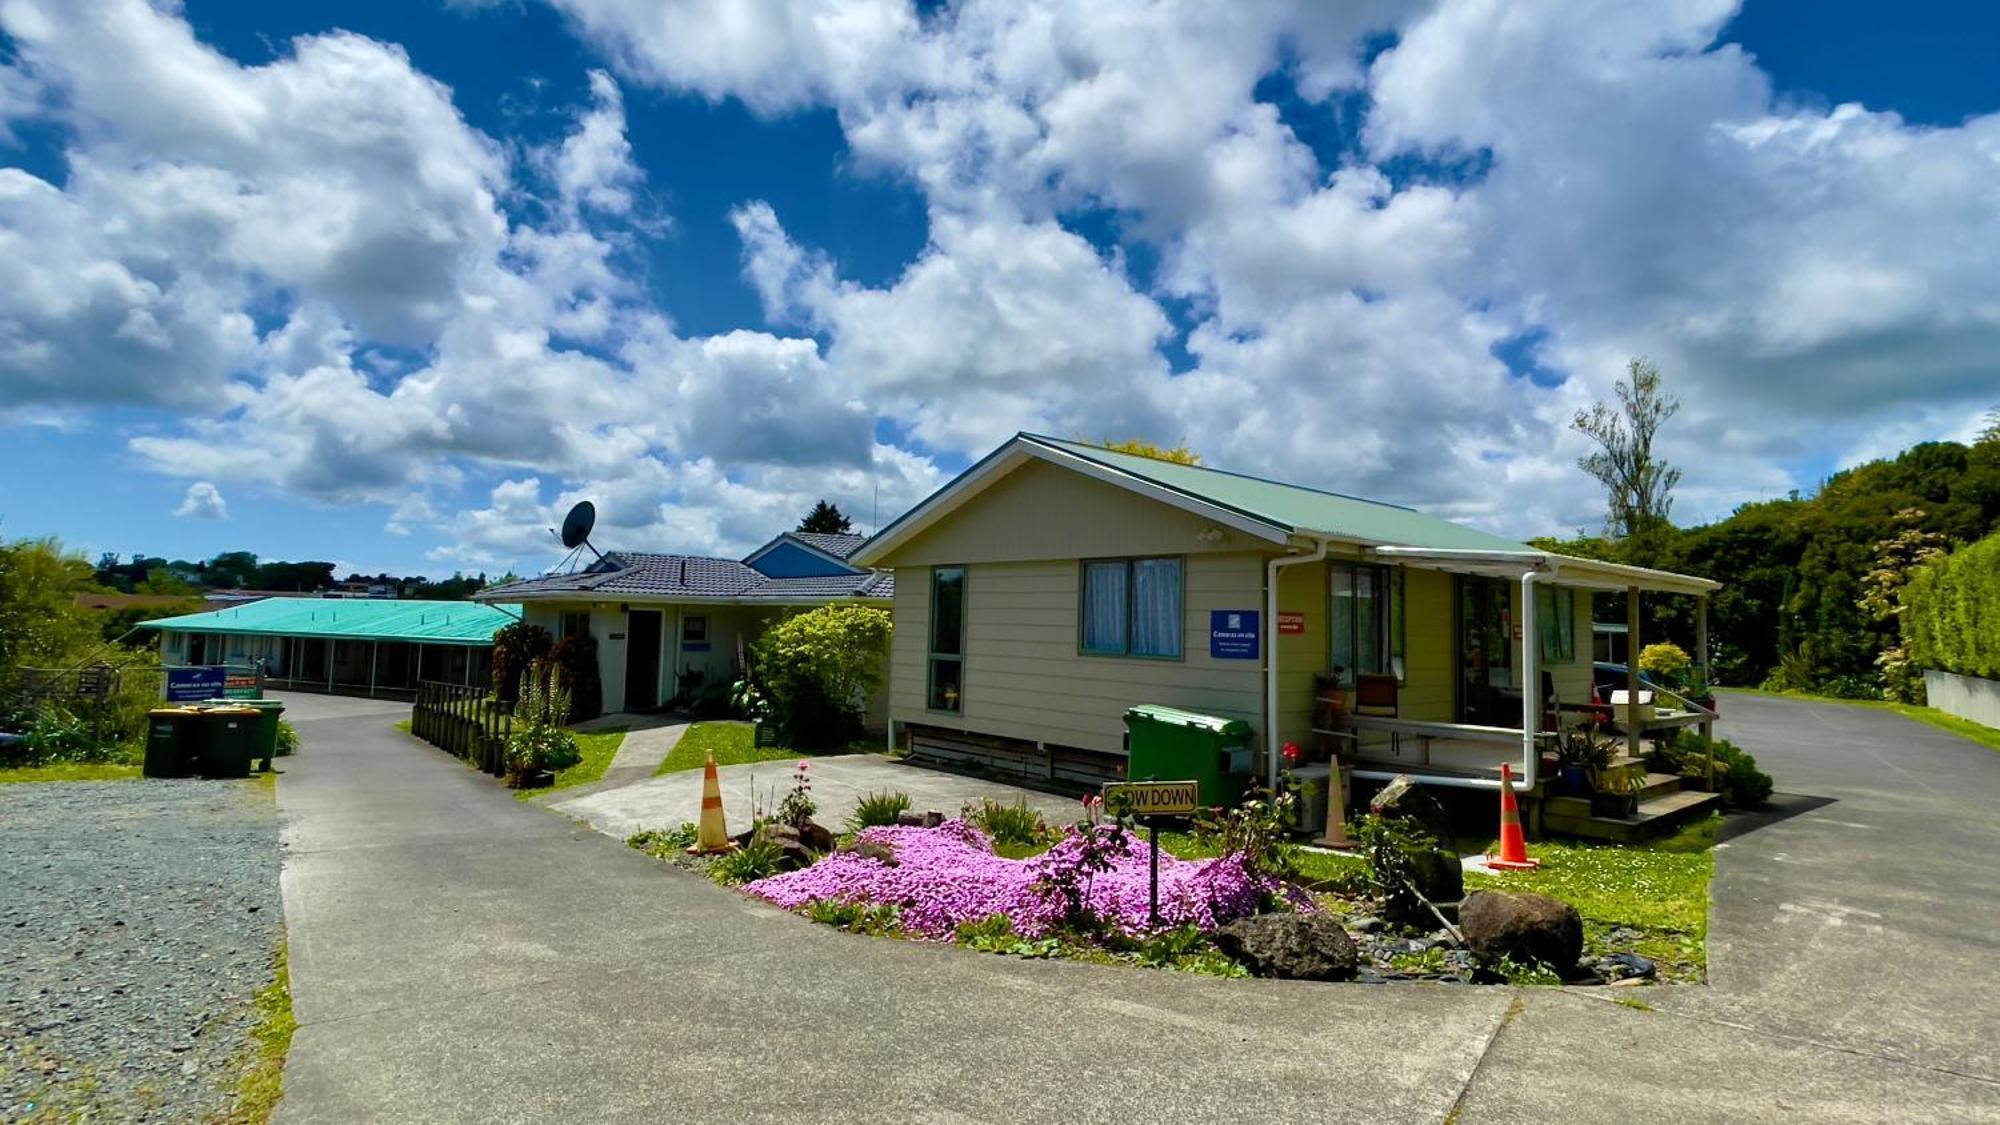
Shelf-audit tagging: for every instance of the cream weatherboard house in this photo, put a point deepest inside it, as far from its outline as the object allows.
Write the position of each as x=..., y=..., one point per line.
x=665, y=624
x=1055, y=584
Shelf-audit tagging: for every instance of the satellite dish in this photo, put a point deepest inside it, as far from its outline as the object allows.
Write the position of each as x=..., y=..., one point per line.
x=576, y=526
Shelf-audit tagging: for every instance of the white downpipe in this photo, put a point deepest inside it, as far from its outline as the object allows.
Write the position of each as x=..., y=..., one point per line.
x=1531, y=682
x=1270, y=642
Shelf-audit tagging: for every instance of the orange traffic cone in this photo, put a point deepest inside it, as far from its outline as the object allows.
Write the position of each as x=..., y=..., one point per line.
x=712, y=836
x=1513, y=845
x=1335, y=835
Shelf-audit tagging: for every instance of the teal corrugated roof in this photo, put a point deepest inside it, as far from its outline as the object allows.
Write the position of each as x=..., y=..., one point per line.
x=1291, y=507
x=363, y=619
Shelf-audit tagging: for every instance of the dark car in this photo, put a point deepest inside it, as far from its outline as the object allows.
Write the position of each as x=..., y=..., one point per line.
x=1607, y=677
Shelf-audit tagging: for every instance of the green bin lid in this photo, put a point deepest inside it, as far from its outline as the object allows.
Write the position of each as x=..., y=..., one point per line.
x=1160, y=713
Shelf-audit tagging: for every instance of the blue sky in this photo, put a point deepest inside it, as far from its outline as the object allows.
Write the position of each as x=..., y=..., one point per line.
x=397, y=296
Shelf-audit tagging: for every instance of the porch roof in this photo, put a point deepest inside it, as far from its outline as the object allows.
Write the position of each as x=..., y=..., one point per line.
x=1564, y=570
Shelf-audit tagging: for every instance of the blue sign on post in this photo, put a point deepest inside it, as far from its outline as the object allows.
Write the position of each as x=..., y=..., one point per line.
x=192, y=685
x=1232, y=634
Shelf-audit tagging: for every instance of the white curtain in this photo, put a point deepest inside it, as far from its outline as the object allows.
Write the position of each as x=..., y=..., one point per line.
x=1156, y=607
x=1104, y=607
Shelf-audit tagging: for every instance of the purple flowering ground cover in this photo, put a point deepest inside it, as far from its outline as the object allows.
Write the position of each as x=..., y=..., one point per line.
x=948, y=875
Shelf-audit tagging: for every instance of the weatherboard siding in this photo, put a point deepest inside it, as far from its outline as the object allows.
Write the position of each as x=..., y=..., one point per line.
x=1041, y=511
x=1024, y=677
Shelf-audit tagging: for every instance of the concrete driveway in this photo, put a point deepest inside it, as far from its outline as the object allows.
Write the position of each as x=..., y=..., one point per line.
x=458, y=956
x=838, y=784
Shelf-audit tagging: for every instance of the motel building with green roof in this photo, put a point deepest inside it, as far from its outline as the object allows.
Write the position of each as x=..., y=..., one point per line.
x=1055, y=584
x=348, y=646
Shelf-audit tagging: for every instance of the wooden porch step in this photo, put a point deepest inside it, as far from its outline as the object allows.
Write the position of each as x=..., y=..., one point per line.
x=1570, y=816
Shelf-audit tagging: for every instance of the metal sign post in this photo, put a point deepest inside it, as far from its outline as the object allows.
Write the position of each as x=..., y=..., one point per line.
x=1149, y=801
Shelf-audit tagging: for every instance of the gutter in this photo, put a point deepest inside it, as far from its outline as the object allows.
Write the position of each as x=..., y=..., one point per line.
x=1270, y=631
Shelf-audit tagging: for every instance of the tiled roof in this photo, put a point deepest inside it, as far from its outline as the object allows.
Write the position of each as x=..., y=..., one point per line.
x=838, y=545
x=694, y=576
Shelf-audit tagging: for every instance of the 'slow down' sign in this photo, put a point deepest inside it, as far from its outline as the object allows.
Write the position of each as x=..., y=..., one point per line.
x=1152, y=798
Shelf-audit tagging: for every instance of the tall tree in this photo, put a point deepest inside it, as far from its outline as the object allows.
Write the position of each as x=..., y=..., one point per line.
x=826, y=519
x=1139, y=447
x=1896, y=558
x=1638, y=485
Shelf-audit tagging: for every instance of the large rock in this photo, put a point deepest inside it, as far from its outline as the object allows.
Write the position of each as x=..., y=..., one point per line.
x=793, y=851
x=1435, y=874
x=1527, y=927
x=815, y=836
x=1290, y=946
x=1403, y=799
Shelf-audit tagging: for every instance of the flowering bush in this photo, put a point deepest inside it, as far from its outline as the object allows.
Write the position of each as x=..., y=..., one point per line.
x=948, y=876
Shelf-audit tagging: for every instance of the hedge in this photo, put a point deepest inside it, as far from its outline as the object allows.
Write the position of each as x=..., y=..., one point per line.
x=1951, y=611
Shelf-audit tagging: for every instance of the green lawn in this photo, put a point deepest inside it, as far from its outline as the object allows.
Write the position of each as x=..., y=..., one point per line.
x=1965, y=728
x=732, y=743
x=71, y=771
x=598, y=748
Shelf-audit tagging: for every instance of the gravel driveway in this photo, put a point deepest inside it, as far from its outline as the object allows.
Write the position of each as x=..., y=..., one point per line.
x=137, y=920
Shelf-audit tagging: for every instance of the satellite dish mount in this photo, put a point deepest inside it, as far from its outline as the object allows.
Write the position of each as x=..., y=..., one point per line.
x=575, y=533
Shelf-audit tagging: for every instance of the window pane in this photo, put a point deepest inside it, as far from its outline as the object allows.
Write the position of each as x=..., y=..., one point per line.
x=1104, y=607
x=948, y=610
x=945, y=684
x=1367, y=620
x=1156, y=607
x=1343, y=620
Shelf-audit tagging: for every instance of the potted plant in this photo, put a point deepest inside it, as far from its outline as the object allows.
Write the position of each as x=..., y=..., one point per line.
x=1616, y=793
x=1579, y=754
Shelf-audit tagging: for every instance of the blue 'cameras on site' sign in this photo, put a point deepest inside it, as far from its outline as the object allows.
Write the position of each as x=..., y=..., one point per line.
x=1232, y=634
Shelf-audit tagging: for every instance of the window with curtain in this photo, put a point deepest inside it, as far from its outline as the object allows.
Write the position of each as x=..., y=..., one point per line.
x=947, y=639
x=575, y=625
x=1367, y=619
x=1131, y=607
x=1555, y=622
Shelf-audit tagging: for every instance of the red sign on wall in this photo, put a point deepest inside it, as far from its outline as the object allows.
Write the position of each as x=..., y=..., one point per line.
x=1291, y=621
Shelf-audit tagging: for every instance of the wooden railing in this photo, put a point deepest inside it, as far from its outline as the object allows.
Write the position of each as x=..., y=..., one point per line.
x=464, y=722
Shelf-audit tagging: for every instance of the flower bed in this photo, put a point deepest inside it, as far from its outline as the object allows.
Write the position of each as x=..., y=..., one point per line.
x=948, y=876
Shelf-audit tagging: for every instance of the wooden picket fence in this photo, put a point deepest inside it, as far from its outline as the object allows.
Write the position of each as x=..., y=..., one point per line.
x=462, y=721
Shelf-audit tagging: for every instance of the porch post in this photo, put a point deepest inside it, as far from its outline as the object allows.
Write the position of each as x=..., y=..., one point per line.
x=374, y=659
x=1531, y=680
x=1707, y=682
x=329, y=665
x=1632, y=671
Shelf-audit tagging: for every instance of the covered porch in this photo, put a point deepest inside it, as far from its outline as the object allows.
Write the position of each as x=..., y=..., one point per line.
x=1496, y=661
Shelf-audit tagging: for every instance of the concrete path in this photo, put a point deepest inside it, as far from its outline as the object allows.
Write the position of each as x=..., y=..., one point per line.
x=838, y=784
x=459, y=956
x=645, y=746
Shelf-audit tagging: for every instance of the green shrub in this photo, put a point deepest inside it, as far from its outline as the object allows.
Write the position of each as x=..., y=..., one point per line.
x=997, y=935
x=661, y=842
x=756, y=860
x=1951, y=611
x=288, y=739
x=1015, y=824
x=516, y=649
x=856, y=916
x=539, y=740
x=1737, y=778
x=576, y=657
x=877, y=809
x=818, y=668
x=58, y=735
x=1666, y=663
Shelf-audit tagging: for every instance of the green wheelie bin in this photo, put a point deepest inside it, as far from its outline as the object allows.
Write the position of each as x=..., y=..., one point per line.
x=1170, y=744
x=264, y=744
x=175, y=737
x=231, y=736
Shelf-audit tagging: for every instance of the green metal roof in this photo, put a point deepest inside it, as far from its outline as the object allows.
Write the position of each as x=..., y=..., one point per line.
x=1291, y=507
x=362, y=619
